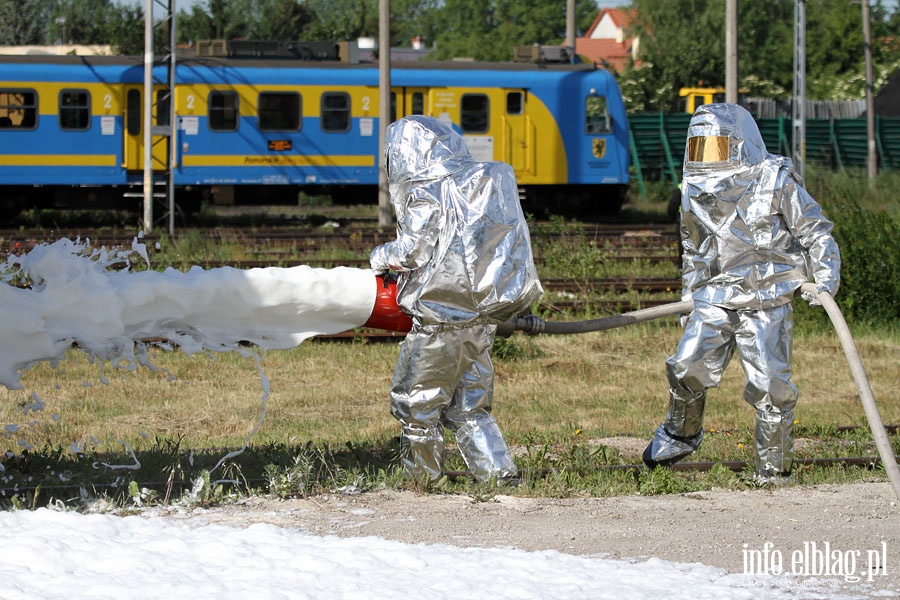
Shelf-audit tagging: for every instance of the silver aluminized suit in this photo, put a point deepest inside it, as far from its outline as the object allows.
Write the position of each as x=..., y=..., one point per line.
x=752, y=236
x=464, y=262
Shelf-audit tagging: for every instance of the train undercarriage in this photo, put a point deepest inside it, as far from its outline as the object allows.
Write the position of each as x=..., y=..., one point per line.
x=581, y=201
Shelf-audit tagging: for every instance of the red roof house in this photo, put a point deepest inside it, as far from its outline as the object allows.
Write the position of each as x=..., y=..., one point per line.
x=607, y=42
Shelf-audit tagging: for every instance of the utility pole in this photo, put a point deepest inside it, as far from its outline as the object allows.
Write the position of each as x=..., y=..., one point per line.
x=385, y=216
x=168, y=130
x=570, y=28
x=731, y=51
x=148, y=116
x=798, y=110
x=173, y=126
x=872, y=158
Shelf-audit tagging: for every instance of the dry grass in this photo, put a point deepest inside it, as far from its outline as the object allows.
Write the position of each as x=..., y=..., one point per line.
x=613, y=383
x=557, y=388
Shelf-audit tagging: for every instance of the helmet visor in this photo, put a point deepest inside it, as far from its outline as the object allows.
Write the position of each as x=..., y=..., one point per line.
x=708, y=149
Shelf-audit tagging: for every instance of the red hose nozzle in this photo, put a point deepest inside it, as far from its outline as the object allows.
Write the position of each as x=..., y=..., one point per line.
x=386, y=313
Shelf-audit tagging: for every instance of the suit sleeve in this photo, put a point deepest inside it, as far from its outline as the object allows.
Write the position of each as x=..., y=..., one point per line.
x=418, y=230
x=813, y=230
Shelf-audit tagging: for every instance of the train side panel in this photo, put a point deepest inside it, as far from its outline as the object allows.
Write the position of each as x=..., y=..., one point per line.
x=71, y=132
x=60, y=132
x=323, y=134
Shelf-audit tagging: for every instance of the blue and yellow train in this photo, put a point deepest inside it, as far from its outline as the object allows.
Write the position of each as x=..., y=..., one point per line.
x=251, y=130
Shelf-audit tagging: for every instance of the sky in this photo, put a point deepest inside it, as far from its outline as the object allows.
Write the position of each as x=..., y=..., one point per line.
x=54, y=554
x=81, y=294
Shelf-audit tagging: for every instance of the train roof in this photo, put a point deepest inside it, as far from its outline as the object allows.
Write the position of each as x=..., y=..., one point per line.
x=288, y=71
x=274, y=63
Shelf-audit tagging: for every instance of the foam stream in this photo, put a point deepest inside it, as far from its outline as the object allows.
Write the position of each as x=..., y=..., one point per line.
x=75, y=298
x=68, y=294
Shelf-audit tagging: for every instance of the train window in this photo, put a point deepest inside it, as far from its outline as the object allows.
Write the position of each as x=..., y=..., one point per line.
x=515, y=103
x=279, y=111
x=223, y=111
x=18, y=109
x=74, y=109
x=163, y=107
x=418, y=103
x=474, y=113
x=133, y=112
x=393, y=107
x=596, y=115
x=335, y=111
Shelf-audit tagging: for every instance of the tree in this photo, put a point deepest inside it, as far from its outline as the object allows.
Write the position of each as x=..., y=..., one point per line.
x=766, y=48
x=22, y=22
x=489, y=30
x=284, y=20
x=669, y=59
x=459, y=28
x=341, y=20
x=837, y=68
x=126, y=30
x=414, y=18
x=80, y=21
x=193, y=26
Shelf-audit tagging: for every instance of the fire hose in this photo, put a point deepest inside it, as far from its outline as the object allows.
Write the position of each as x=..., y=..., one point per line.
x=862, y=384
x=532, y=325
x=387, y=315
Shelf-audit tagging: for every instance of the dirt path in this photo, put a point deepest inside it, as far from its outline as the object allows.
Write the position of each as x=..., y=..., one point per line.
x=853, y=527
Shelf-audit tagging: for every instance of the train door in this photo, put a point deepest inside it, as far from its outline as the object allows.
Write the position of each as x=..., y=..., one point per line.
x=134, y=129
x=518, y=133
x=410, y=101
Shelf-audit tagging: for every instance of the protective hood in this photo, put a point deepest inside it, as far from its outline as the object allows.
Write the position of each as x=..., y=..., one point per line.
x=420, y=149
x=721, y=139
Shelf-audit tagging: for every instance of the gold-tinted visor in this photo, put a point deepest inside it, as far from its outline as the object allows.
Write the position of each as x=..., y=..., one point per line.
x=708, y=148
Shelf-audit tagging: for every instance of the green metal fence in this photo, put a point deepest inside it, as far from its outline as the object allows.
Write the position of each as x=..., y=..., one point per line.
x=657, y=143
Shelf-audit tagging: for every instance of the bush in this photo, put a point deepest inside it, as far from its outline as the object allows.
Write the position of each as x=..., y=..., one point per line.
x=869, y=240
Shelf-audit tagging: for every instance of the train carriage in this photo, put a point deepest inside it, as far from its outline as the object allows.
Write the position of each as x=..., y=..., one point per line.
x=250, y=130
x=67, y=131
x=60, y=122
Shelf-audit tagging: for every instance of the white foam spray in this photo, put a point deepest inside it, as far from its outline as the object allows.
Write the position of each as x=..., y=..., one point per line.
x=68, y=294
x=74, y=297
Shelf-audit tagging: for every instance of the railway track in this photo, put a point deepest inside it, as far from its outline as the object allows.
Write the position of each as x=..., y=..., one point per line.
x=350, y=245
x=353, y=235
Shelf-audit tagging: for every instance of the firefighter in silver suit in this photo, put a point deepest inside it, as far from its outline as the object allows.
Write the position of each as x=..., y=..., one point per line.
x=752, y=235
x=464, y=264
